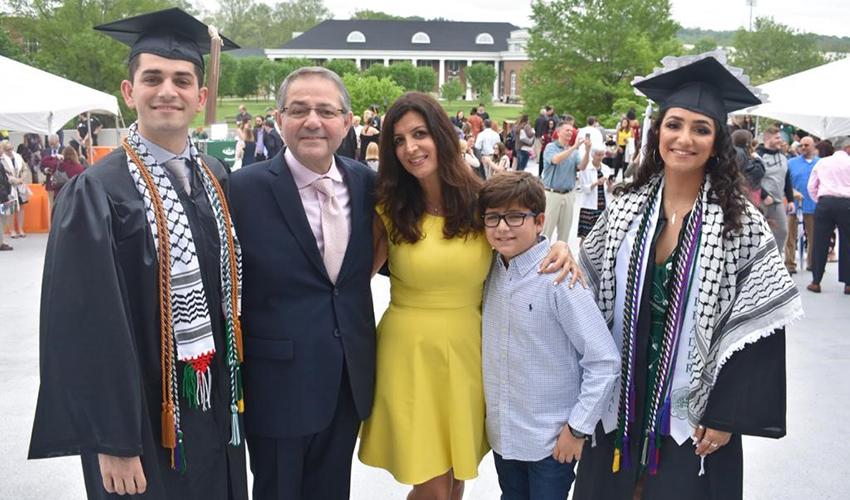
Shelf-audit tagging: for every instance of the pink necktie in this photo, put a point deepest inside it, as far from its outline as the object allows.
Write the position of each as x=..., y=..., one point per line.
x=334, y=228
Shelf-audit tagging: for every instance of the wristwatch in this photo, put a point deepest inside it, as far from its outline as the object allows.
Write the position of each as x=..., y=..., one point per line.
x=578, y=435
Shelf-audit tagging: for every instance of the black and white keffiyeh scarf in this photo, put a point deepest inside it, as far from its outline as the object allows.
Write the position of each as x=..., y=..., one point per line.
x=185, y=319
x=741, y=293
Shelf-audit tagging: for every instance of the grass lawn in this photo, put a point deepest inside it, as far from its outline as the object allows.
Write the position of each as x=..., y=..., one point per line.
x=228, y=108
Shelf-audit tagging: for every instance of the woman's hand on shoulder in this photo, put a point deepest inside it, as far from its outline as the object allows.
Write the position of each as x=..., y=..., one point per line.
x=560, y=260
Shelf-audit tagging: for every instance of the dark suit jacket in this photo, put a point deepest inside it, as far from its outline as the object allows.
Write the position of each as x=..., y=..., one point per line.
x=273, y=142
x=300, y=329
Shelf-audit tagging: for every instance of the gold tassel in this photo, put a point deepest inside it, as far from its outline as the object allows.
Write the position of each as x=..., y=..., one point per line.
x=241, y=405
x=169, y=433
x=616, y=466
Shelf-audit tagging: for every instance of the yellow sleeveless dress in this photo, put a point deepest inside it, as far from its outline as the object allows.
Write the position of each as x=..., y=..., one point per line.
x=428, y=415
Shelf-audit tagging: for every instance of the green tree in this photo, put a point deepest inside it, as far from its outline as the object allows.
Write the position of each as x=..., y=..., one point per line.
x=227, y=76
x=452, y=90
x=8, y=48
x=342, y=67
x=247, y=80
x=368, y=90
x=426, y=79
x=366, y=14
x=480, y=77
x=774, y=50
x=378, y=71
x=703, y=45
x=404, y=74
x=584, y=53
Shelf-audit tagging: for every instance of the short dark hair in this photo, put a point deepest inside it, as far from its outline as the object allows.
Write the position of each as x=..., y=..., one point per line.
x=591, y=120
x=133, y=66
x=487, y=123
x=519, y=187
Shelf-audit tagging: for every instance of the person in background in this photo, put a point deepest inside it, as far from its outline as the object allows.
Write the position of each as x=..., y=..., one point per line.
x=548, y=360
x=778, y=195
x=70, y=166
x=524, y=142
x=6, y=189
x=242, y=117
x=372, y=157
x=271, y=138
x=369, y=134
x=18, y=174
x=246, y=146
x=200, y=134
x=749, y=164
x=562, y=163
x=829, y=187
x=800, y=169
x=472, y=157
x=498, y=162
x=459, y=119
x=624, y=133
x=548, y=135
x=475, y=122
x=595, y=185
x=357, y=126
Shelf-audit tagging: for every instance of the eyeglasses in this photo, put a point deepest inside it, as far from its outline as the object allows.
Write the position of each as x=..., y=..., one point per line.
x=512, y=219
x=300, y=111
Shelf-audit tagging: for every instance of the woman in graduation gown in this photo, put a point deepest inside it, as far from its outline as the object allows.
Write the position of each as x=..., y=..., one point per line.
x=690, y=280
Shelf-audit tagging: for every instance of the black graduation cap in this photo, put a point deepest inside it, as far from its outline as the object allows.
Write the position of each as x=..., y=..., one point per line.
x=705, y=86
x=169, y=33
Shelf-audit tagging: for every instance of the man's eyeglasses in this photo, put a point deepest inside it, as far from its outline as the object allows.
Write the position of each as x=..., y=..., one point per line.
x=512, y=219
x=300, y=111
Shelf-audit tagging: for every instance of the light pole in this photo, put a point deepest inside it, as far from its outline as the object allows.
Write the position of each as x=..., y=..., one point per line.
x=751, y=4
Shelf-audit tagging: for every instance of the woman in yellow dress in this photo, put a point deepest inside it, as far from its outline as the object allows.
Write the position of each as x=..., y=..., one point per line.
x=427, y=422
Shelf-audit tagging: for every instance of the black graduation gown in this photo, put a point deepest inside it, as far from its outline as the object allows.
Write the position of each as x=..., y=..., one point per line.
x=748, y=398
x=100, y=343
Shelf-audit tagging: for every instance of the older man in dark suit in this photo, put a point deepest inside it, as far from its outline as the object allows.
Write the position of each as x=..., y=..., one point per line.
x=304, y=219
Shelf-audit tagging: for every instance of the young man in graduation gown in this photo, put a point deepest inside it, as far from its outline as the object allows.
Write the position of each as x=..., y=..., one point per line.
x=139, y=314
x=304, y=218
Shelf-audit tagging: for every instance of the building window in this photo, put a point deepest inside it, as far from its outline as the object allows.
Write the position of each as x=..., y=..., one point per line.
x=420, y=38
x=484, y=39
x=513, y=83
x=356, y=37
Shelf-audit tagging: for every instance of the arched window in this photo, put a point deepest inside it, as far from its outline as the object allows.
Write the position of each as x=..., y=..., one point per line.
x=484, y=39
x=420, y=37
x=356, y=37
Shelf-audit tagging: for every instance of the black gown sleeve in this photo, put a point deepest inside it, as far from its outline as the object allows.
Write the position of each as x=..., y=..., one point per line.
x=90, y=397
x=749, y=394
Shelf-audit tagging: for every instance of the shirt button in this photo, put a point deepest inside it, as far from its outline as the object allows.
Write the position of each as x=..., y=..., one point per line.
x=336, y=332
x=336, y=292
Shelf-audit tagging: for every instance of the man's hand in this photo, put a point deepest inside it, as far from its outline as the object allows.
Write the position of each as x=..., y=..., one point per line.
x=707, y=441
x=560, y=258
x=568, y=448
x=790, y=209
x=122, y=475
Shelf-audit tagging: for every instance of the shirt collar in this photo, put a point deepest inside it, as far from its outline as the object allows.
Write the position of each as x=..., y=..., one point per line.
x=303, y=176
x=523, y=263
x=162, y=155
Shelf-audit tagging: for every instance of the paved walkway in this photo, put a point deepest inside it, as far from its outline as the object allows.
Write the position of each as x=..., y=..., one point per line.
x=810, y=463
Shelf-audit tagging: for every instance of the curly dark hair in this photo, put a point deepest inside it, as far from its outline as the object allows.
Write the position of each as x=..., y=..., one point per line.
x=400, y=194
x=727, y=183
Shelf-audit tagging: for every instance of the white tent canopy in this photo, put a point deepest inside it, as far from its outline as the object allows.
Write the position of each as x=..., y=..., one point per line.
x=36, y=101
x=814, y=100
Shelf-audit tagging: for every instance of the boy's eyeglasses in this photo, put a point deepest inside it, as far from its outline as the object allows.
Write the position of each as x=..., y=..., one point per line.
x=512, y=219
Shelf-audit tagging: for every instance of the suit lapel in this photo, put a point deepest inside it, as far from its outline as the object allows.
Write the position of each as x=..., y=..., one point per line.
x=289, y=201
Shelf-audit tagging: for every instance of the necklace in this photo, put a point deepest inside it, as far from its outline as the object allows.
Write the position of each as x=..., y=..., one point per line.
x=676, y=213
x=432, y=209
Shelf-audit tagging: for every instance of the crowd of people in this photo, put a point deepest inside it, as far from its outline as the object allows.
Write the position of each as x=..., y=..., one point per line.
x=233, y=308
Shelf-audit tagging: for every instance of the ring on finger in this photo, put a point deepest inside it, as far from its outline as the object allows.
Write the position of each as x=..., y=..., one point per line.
x=713, y=445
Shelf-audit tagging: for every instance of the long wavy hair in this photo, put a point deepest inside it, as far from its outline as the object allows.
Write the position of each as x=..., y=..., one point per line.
x=727, y=183
x=399, y=193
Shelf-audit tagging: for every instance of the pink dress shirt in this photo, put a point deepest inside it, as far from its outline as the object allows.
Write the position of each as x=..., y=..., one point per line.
x=831, y=176
x=312, y=199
